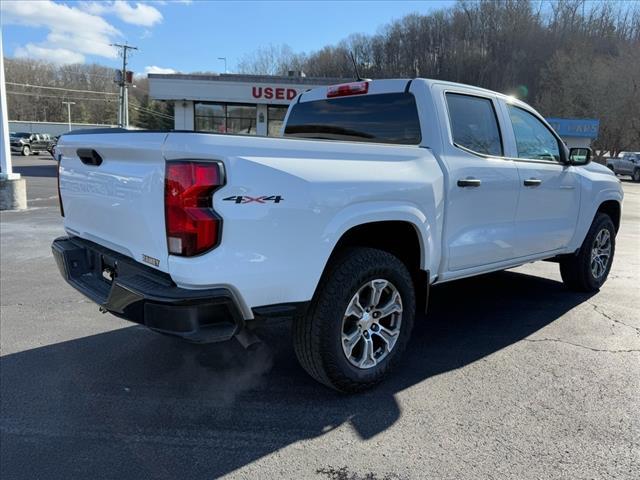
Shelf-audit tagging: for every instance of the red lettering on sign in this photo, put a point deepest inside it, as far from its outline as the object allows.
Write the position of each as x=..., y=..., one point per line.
x=271, y=92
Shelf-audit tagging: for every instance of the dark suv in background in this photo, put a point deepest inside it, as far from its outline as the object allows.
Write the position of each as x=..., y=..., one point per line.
x=27, y=143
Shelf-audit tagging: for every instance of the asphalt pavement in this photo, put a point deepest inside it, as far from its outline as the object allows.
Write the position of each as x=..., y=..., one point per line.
x=509, y=375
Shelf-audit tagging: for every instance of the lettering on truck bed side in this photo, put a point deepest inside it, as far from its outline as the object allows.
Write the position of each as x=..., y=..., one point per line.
x=248, y=199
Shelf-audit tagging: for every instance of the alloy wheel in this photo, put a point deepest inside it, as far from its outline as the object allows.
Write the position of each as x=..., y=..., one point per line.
x=371, y=323
x=600, y=253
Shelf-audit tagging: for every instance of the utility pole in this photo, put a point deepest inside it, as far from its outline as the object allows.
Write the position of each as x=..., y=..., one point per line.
x=224, y=59
x=123, y=111
x=5, y=151
x=13, y=188
x=68, y=104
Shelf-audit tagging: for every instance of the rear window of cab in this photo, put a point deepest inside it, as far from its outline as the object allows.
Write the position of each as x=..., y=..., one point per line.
x=381, y=118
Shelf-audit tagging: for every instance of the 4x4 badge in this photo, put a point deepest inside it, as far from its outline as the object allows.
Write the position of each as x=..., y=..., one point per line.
x=248, y=199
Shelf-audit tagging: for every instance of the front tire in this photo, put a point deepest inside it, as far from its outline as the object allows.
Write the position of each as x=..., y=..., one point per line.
x=588, y=269
x=359, y=321
x=26, y=151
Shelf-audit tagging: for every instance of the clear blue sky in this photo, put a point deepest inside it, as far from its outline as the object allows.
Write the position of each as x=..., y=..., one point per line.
x=188, y=36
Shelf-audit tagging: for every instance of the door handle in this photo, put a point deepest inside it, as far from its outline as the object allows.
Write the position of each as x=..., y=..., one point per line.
x=469, y=182
x=532, y=182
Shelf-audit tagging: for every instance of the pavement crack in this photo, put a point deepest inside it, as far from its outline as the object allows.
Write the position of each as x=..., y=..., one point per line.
x=48, y=303
x=601, y=312
x=557, y=340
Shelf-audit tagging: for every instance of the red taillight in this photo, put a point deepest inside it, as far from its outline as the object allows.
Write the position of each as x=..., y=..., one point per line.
x=192, y=225
x=346, y=89
x=59, y=195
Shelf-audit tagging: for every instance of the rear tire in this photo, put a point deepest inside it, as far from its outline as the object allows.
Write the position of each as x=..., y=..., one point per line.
x=587, y=270
x=636, y=175
x=26, y=151
x=323, y=336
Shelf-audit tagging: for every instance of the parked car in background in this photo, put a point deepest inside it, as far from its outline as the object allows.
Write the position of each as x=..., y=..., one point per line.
x=52, y=145
x=627, y=164
x=27, y=143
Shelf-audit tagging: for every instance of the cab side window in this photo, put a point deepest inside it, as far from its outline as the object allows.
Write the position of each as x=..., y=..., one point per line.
x=474, y=124
x=533, y=139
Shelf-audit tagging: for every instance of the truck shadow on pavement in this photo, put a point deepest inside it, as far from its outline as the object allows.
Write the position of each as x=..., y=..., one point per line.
x=48, y=171
x=133, y=404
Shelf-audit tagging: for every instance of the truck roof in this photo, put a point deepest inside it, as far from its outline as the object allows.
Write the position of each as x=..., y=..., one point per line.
x=431, y=81
x=389, y=85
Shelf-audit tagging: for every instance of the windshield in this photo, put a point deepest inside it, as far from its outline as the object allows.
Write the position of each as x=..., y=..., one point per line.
x=22, y=135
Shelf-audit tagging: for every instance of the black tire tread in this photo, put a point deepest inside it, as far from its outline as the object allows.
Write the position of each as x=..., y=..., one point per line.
x=574, y=269
x=308, y=332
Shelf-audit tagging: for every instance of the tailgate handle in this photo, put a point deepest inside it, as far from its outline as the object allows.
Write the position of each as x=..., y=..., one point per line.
x=89, y=156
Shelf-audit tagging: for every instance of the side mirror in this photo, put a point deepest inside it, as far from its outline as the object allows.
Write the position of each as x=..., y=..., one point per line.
x=579, y=156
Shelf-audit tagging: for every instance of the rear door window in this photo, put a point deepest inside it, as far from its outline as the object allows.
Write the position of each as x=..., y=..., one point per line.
x=382, y=118
x=474, y=124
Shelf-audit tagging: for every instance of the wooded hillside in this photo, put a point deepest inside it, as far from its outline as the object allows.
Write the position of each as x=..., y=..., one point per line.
x=568, y=58
x=91, y=87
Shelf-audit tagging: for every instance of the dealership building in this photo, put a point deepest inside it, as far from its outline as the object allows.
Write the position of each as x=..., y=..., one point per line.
x=249, y=104
x=257, y=104
x=576, y=132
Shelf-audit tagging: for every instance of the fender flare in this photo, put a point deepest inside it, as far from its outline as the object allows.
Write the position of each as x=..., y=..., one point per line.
x=588, y=213
x=371, y=212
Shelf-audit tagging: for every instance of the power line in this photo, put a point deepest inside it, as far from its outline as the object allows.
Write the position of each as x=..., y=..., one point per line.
x=40, y=95
x=152, y=112
x=59, y=88
x=108, y=100
x=150, y=109
x=81, y=74
x=61, y=73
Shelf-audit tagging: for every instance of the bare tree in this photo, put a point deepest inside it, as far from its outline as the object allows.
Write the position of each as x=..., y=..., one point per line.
x=567, y=57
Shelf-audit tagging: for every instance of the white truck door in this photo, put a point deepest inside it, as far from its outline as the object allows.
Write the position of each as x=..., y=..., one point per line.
x=482, y=185
x=549, y=190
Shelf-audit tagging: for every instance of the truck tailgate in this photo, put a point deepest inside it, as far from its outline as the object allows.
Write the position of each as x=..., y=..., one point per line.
x=118, y=203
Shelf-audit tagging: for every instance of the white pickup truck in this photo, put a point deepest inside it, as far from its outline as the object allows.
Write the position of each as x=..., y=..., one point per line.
x=378, y=190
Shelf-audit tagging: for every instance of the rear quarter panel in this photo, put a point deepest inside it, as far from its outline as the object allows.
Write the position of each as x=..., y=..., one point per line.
x=276, y=252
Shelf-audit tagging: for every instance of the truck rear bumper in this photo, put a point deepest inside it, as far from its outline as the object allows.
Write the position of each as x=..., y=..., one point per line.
x=140, y=294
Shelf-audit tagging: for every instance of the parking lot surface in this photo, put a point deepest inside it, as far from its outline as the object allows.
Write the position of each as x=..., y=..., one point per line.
x=508, y=376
